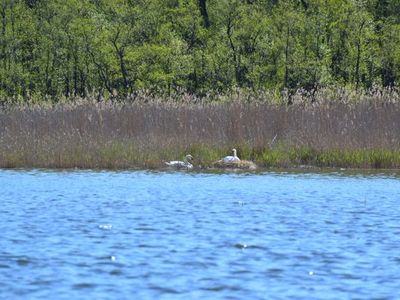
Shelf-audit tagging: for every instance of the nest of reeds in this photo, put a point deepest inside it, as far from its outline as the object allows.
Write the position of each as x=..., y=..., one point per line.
x=243, y=165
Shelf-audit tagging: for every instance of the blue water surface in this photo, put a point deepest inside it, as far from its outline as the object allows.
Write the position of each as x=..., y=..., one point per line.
x=179, y=235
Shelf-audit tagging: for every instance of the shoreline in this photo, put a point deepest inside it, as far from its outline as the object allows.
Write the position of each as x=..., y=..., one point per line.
x=259, y=171
x=271, y=159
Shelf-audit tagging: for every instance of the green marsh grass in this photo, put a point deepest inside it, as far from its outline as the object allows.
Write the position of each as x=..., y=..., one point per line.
x=147, y=132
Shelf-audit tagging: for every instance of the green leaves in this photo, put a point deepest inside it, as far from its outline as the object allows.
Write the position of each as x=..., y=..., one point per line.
x=75, y=47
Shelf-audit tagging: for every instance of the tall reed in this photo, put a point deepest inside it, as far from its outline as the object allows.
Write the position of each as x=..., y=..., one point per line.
x=145, y=132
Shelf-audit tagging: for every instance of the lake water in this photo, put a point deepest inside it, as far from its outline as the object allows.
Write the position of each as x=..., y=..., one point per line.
x=160, y=235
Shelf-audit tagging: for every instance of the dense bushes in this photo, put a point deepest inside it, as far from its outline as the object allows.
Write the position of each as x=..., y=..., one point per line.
x=99, y=47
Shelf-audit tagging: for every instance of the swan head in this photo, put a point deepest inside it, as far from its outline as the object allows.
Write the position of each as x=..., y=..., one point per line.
x=189, y=157
x=234, y=152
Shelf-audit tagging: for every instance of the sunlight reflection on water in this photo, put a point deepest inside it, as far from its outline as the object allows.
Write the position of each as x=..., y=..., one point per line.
x=155, y=235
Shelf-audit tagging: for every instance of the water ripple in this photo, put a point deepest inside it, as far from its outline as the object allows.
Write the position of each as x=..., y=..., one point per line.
x=155, y=235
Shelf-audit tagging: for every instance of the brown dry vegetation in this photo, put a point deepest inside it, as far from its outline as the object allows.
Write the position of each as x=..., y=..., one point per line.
x=338, y=130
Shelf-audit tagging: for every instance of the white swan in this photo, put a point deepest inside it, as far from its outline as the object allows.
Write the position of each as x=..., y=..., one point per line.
x=234, y=162
x=231, y=159
x=178, y=164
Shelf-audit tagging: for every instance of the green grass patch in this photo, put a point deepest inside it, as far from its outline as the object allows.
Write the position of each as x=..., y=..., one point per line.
x=123, y=155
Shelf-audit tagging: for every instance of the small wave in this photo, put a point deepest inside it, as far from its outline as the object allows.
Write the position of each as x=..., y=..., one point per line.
x=83, y=285
x=145, y=229
x=116, y=272
x=246, y=246
x=4, y=266
x=241, y=272
x=42, y=282
x=241, y=246
x=23, y=261
x=105, y=226
x=165, y=290
x=219, y=288
x=147, y=246
x=274, y=270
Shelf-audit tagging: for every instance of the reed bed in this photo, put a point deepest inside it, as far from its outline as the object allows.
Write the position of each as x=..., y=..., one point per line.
x=88, y=133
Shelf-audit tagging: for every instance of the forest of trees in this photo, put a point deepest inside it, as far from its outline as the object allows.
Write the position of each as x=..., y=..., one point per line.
x=80, y=47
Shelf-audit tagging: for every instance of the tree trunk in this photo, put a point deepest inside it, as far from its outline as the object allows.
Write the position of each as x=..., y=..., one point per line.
x=287, y=56
x=236, y=55
x=3, y=33
x=204, y=14
x=120, y=53
x=357, y=70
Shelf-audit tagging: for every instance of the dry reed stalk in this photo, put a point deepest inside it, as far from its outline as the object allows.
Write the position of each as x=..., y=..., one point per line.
x=142, y=134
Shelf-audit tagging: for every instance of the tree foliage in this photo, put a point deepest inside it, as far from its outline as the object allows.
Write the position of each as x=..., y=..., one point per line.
x=76, y=47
